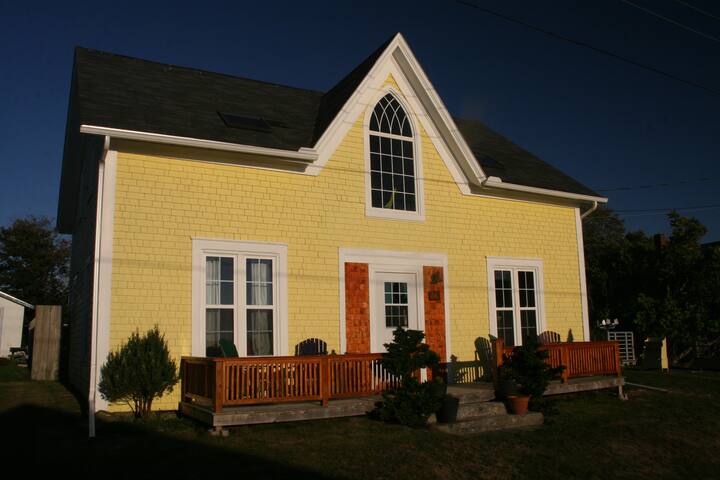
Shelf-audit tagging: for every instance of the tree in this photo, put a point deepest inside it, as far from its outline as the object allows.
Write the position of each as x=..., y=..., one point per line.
x=667, y=290
x=34, y=261
x=138, y=372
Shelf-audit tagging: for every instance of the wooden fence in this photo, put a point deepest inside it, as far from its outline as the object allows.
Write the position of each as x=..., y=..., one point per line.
x=226, y=382
x=581, y=359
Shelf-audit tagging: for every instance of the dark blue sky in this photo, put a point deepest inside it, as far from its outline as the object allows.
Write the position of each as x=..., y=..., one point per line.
x=606, y=123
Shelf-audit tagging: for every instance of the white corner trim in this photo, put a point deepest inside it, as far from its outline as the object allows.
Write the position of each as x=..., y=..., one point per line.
x=277, y=251
x=370, y=211
x=394, y=261
x=583, y=278
x=305, y=155
x=513, y=263
x=102, y=279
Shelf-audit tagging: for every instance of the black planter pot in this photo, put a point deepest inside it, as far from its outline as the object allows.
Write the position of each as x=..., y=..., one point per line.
x=449, y=410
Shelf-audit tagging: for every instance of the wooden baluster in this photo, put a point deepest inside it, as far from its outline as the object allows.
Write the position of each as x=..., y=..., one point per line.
x=219, y=393
x=324, y=380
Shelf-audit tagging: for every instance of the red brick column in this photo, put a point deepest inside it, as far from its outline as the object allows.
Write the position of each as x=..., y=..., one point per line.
x=434, y=296
x=357, y=308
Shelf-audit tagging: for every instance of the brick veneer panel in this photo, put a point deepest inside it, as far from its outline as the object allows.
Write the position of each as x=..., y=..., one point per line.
x=434, y=297
x=357, y=308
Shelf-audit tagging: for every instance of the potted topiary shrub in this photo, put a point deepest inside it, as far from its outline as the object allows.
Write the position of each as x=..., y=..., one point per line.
x=527, y=367
x=413, y=400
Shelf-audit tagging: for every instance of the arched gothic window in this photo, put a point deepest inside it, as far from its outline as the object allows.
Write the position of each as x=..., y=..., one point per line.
x=392, y=162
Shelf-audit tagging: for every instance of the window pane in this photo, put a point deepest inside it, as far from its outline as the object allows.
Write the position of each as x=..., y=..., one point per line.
x=218, y=326
x=226, y=293
x=259, y=332
x=259, y=281
x=227, y=268
x=505, y=327
x=526, y=288
x=528, y=324
x=391, y=165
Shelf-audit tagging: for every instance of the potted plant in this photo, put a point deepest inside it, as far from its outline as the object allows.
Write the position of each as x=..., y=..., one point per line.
x=448, y=409
x=527, y=367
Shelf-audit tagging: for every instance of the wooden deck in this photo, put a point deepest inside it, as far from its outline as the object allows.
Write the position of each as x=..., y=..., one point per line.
x=350, y=407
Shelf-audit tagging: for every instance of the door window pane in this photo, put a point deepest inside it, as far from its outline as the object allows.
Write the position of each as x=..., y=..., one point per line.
x=396, y=305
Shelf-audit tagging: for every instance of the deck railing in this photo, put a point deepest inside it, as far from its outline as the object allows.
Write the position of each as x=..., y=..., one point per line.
x=225, y=382
x=581, y=359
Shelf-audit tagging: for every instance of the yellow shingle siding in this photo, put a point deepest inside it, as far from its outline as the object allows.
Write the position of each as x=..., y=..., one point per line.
x=162, y=202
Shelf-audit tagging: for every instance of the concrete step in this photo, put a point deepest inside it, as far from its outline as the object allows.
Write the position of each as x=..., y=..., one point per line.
x=489, y=423
x=480, y=409
x=472, y=393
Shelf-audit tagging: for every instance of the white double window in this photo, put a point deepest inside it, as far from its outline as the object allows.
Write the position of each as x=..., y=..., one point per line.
x=239, y=297
x=515, y=299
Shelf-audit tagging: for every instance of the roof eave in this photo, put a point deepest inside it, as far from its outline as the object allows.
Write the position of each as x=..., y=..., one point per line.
x=496, y=183
x=303, y=155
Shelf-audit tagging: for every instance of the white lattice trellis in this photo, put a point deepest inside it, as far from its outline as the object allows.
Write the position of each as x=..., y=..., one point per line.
x=627, y=346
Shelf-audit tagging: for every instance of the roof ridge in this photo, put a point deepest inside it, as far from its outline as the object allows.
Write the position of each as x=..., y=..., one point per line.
x=191, y=69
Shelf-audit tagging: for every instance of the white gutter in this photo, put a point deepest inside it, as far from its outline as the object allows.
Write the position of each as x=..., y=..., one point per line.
x=9, y=297
x=495, y=182
x=304, y=156
x=92, y=394
x=592, y=209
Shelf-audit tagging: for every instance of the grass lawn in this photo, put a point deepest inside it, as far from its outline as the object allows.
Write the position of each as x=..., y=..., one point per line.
x=594, y=435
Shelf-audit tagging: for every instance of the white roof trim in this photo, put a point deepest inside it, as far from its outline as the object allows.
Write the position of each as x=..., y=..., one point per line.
x=494, y=182
x=15, y=300
x=397, y=55
x=301, y=156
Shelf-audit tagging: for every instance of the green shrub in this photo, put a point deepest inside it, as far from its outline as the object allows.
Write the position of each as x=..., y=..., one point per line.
x=138, y=372
x=528, y=368
x=413, y=401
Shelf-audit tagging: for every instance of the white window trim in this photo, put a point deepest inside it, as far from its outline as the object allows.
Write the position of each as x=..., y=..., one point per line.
x=276, y=251
x=394, y=261
x=388, y=213
x=509, y=263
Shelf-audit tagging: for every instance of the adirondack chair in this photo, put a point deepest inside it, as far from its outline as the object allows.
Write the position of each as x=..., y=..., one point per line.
x=548, y=337
x=228, y=349
x=311, y=346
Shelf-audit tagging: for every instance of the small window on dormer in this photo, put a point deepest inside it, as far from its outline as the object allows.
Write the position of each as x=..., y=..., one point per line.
x=392, y=157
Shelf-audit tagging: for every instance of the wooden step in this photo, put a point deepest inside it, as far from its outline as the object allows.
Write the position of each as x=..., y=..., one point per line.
x=489, y=423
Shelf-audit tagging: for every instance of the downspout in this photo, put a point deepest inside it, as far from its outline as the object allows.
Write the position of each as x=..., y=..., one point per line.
x=592, y=209
x=92, y=394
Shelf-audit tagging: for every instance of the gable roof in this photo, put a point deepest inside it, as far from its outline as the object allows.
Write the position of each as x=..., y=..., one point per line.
x=123, y=93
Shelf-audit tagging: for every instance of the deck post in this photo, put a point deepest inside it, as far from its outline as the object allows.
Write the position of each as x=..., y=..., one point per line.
x=219, y=386
x=565, y=361
x=183, y=380
x=325, y=380
x=498, y=352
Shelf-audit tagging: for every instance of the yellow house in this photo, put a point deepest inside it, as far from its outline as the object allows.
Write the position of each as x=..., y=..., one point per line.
x=219, y=207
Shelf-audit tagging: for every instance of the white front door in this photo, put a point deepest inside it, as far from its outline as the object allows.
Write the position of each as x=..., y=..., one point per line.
x=395, y=304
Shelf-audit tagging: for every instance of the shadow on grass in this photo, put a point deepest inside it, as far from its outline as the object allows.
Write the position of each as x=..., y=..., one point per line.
x=44, y=438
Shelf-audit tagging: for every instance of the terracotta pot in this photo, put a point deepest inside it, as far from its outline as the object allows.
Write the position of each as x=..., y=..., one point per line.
x=519, y=404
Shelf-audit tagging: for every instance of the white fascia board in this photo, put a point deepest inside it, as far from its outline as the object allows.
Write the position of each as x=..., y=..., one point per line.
x=418, y=89
x=10, y=298
x=303, y=155
x=492, y=183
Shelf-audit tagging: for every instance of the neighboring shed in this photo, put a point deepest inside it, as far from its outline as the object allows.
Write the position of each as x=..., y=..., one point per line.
x=12, y=312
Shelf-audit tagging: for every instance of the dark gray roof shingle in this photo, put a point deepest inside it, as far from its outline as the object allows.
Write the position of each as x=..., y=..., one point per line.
x=117, y=91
